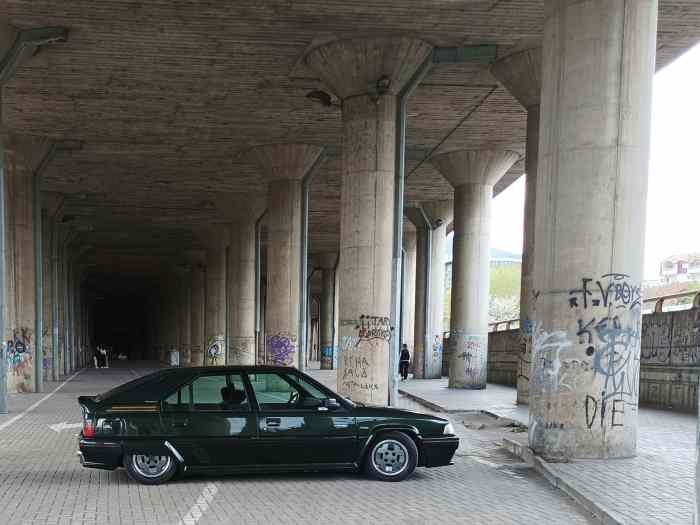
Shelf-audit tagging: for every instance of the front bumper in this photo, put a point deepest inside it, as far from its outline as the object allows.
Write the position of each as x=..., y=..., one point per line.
x=438, y=451
x=95, y=453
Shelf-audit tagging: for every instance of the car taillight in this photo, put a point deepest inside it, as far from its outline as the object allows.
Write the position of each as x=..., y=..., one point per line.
x=88, y=429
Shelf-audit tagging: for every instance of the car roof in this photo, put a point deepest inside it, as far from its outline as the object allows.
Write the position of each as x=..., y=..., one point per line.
x=153, y=386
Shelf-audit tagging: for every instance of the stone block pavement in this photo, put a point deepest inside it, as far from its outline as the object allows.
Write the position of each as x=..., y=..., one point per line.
x=42, y=482
x=656, y=487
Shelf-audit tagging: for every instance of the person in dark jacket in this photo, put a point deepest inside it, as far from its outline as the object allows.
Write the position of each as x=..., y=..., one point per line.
x=404, y=360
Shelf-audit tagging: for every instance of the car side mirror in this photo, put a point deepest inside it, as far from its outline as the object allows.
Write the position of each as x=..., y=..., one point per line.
x=310, y=402
x=331, y=404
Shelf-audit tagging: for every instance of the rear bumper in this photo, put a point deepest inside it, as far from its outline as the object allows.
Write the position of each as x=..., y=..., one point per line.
x=95, y=453
x=438, y=451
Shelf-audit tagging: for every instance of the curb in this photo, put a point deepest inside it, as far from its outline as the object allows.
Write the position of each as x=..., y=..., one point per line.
x=601, y=512
x=425, y=403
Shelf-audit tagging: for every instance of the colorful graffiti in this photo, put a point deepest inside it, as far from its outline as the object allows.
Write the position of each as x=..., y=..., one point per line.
x=19, y=359
x=281, y=348
x=215, y=350
x=327, y=357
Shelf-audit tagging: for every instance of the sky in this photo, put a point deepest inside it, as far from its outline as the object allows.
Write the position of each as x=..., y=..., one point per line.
x=673, y=202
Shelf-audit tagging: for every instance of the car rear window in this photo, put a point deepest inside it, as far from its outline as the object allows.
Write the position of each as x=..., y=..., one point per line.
x=150, y=387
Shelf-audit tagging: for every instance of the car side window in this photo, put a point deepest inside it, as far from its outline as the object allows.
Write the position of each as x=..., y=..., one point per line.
x=309, y=389
x=178, y=400
x=220, y=392
x=272, y=391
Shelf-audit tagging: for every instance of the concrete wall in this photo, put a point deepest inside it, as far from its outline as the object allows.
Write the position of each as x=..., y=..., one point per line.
x=670, y=359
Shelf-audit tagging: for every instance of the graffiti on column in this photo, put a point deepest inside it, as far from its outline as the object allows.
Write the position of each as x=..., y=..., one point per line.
x=327, y=357
x=611, y=290
x=471, y=350
x=372, y=334
x=609, y=328
x=19, y=359
x=242, y=350
x=434, y=364
x=281, y=348
x=215, y=350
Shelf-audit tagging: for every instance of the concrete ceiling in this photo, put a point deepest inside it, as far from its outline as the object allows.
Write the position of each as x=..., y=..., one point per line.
x=165, y=94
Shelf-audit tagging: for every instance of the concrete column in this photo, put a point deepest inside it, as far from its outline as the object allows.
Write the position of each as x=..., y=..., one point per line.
x=242, y=286
x=55, y=303
x=173, y=316
x=409, y=288
x=439, y=214
x=216, y=240
x=327, y=262
x=421, y=287
x=197, y=294
x=47, y=305
x=20, y=267
x=163, y=326
x=473, y=174
x=284, y=166
x=598, y=62
x=60, y=298
x=367, y=74
x=185, y=314
x=520, y=74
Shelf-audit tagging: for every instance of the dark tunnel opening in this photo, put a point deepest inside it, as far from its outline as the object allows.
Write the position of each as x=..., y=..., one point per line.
x=121, y=326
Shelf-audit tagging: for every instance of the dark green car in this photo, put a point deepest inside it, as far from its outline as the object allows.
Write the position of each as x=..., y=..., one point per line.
x=238, y=419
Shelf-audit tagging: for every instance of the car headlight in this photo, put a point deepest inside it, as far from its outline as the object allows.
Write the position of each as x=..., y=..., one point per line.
x=449, y=429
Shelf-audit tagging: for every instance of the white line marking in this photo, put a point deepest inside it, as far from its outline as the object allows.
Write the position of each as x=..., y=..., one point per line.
x=26, y=411
x=64, y=426
x=198, y=509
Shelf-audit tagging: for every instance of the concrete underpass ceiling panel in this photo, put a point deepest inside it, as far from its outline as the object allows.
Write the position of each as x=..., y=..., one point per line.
x=166, y=94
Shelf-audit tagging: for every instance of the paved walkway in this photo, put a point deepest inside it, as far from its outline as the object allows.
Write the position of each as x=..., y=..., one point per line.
x=42, y=482
x=656, y=487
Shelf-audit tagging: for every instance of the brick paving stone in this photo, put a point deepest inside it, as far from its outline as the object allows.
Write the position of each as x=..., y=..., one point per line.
x=42, y=482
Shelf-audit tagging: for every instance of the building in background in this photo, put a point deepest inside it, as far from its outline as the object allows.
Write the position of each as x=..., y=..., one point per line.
x=681, y=268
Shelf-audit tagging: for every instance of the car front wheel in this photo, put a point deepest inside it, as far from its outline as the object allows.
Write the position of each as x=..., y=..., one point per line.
x=150, y=469
x=392, y=457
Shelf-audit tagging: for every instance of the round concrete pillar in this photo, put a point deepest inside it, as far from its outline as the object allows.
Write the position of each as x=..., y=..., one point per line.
x=439, y=213
x=20, y=264
x=327, y=262
x=520, y=73
x=185, y=313
x=197, y=294
x=598, y=62
x=408, y=308
x=367, y=74
x=420, y=310
x=216, y=241
x=284, y=166
x=242, y=288
x=473, y=174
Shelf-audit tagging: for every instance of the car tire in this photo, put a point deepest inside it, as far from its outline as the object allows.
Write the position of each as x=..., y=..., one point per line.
x=149, y=469
x=392, y=456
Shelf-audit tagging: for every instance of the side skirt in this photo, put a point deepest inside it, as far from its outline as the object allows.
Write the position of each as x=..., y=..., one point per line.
x=235, y=469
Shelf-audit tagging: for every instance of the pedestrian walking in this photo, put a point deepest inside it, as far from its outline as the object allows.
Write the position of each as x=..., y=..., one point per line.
x=404, y=360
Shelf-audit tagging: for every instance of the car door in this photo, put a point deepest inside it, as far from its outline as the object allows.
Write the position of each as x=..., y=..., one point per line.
x=294, y=428
x=210, y=421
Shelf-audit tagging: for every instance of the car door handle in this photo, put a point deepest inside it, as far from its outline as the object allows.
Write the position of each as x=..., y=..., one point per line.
x=273, y=421
x=181, y=423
